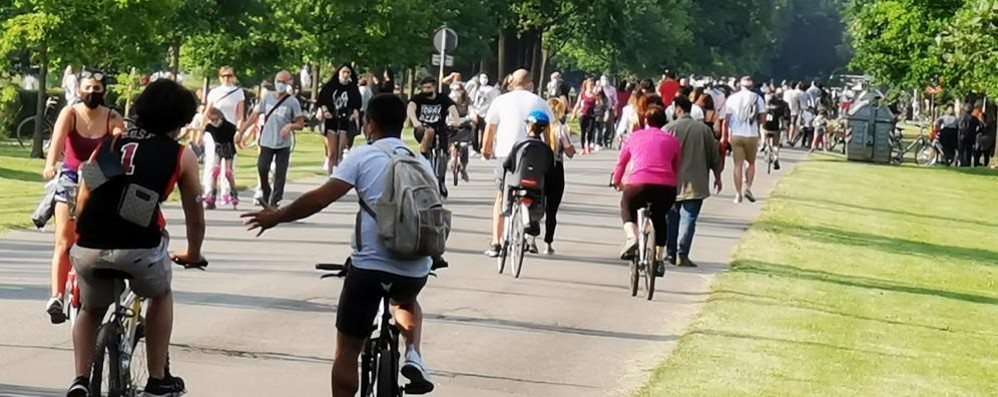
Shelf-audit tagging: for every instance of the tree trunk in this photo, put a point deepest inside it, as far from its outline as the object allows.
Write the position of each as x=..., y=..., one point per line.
x=205, y=89
x=175, y=59
x=315, y=81
x=38, y=140
x=536, y=54
x=129, y=91
x=501, y=56
x=544, y=65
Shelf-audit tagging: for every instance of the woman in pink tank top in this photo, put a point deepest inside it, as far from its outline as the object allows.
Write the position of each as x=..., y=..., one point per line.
x=647, y=172
x=81, y=127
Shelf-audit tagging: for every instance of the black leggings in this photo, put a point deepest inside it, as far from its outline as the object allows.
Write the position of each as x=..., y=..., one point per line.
x=661, y=199
x=949, y=140
x=554, y=190
x=588, y=124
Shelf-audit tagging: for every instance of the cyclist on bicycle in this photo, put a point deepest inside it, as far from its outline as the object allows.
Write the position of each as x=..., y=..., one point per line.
x=121, y=228
x=461, y=136
x=77, y=133
x=647, y=173
x=428, y=112
x=526, y=168
x=375, y=272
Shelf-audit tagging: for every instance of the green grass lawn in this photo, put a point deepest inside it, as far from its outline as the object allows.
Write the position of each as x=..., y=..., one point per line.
x=858, y=280
x=21, y=183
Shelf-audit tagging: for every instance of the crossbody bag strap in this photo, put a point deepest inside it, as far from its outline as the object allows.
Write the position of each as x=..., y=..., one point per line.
x=271, y=112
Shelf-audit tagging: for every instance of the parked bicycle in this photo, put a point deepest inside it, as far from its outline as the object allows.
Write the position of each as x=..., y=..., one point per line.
x=643, y=262
x=119, y=366
x=379, y=361
x=517, y=218
x=927, y=152
x=25, y=132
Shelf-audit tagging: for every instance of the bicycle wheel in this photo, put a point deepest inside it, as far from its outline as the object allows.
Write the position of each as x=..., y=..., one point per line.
x=518, y=242
x=138, y=368
x=25, y=131
x=926, y=155
x=106, y=371
x=649, y=261
x=387, y=375
x=504, y=246
x=635, y=276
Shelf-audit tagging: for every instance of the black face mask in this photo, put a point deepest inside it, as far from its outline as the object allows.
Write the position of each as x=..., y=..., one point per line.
x=93, y=99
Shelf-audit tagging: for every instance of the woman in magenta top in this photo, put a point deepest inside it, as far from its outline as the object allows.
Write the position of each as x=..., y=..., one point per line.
x=80, y=128
x=647, y=173
x=584, y=111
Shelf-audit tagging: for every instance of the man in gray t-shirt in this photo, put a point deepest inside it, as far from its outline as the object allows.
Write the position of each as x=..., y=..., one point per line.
x=282, y=117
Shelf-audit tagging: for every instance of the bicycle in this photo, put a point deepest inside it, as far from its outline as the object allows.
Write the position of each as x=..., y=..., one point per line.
x=26, y=128
x=460, y=142
x=379, y=361
x=838, y=137
x=120, y=342
x=927, y=153
x=769, y=153
x=643, y=263
x=517, y=217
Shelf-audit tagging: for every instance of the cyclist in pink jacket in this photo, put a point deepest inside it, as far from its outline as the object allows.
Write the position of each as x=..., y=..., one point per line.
x=647, y=173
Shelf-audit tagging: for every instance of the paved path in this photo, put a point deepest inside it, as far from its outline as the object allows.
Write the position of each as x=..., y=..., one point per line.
x=260, y=322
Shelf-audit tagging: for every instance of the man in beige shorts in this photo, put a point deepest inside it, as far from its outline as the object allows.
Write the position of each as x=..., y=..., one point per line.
x=746, y=111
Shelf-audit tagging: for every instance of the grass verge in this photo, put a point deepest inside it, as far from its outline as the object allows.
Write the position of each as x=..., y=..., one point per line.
x=857, y=280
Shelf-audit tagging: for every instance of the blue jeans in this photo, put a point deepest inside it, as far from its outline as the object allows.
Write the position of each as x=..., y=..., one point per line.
x=685, y=214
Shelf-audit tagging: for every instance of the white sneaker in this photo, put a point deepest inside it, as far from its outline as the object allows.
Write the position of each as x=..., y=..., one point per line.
x=415, y=371
x=738, y=199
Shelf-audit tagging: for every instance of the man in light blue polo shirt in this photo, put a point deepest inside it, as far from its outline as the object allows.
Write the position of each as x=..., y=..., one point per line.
x=375, y=273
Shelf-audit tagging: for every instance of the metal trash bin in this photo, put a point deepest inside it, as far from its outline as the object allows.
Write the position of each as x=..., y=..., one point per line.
x=871, y=127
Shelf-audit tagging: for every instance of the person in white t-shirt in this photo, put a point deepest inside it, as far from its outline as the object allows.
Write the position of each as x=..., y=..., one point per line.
x=746, y=111
x=506, y=121
x=231, y=100
x=71, y=86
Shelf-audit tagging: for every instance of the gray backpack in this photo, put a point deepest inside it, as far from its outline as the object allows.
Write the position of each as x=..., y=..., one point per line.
x=412, y=221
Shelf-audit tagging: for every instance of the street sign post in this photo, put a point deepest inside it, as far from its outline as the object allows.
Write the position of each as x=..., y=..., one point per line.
x=444, y=41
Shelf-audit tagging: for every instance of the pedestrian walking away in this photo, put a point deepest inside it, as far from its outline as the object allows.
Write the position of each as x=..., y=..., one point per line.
x=506, y=126
x=646, y=173
x=700, y=158
x=281, y=116
x=746, y=111
x=78, y=131
x=554, y=183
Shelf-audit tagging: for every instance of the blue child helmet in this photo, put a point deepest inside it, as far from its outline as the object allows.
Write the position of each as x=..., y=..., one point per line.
x=538, y=117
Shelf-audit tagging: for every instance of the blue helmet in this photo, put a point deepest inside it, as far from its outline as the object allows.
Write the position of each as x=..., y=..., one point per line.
x=538, y=118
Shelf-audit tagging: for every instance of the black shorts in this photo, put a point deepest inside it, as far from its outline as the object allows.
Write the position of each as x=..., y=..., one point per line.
x=361, y=296
x=339, y=125
x=225, y=150
x=439, y=131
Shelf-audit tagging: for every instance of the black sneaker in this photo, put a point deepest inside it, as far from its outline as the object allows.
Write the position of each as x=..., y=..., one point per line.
x=169, y=386
x=493, y=251
x=532, y=247
x=56, y=311
x=79, y=388
x=659, y=268
x=670, y=259
x=776, y=165
x=685, y=261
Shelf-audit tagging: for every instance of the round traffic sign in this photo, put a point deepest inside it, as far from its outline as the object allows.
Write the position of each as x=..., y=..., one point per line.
x=439, y=39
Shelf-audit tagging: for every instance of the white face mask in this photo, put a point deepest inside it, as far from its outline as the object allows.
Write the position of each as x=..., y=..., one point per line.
x=483, y=80
x=604, y=81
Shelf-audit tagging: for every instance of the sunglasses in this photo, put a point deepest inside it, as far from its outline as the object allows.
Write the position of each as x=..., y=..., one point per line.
x=86, y=74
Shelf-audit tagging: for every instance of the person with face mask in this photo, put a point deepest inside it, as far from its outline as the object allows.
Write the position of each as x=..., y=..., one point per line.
x=340, y=101
x=429, y=113
x=481, y=100
x=282, y=116
x=460, y=136
x=135, y=242
x=78, y=131
x=230, y=99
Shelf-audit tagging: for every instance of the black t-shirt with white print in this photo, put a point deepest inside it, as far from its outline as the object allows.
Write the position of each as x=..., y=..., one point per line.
x=432, y=112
